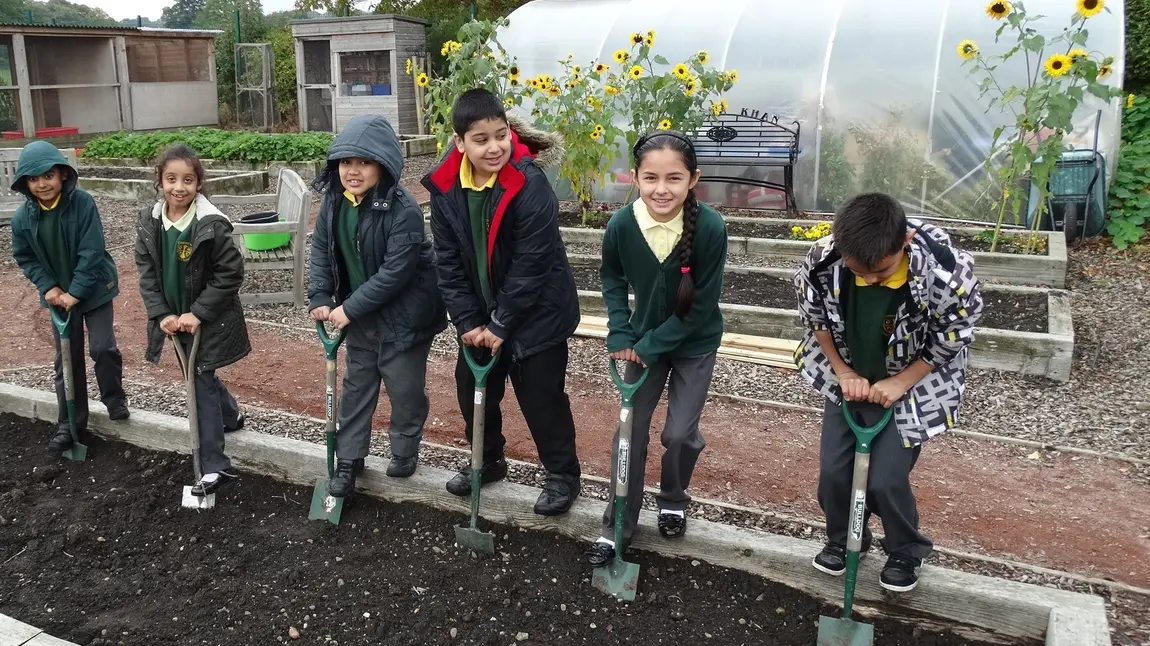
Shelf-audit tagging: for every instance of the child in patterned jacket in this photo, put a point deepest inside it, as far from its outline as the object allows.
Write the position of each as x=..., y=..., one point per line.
x=890, y=308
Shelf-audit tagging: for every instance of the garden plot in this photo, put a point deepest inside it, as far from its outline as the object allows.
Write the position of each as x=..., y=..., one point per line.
x=1026, y=330
x=771, y=238
x=100, y=553
x=139, y=183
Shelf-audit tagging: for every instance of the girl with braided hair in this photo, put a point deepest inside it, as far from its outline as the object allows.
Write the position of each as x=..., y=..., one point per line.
x=669, y=250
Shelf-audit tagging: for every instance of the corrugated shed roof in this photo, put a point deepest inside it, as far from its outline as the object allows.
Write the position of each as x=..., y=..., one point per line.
x=8, y=26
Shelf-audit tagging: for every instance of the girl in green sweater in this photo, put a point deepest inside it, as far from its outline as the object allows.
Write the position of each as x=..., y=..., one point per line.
x=670, y=251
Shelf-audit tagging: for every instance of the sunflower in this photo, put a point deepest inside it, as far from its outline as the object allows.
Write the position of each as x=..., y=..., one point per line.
x=595, y=134
x=665, y=124
x=703, y=57
x=1090, y=8
x=534, y=83
x=998, y=9
x=719, y=107
x=601, y=67
x=1057, y=65
x=514, y=82
x=450, y=46
x=1104, y=71
x=612, y=90
x=513, y=72
x=621, y=55
x=636, y=38
x=690, y=86
x=545, y=79
x=422, y=80
x=509, y=101
x=1077, y=54
x=682, y=71
x=636, y=72
x=733, y=76
x=1130, y=100
x=554, y=90
x=407, y=67
x=650, y=39
x=595, y=103
x=967, y=49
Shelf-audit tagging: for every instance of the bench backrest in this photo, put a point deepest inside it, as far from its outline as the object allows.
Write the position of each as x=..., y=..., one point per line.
x=746, y=139
x=291, y=196
x=9, y=157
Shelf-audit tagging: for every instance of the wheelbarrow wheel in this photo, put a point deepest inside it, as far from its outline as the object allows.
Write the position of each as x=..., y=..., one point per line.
x=1070, y=227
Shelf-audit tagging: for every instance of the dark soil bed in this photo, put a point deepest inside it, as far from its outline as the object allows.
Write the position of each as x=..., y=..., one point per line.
x=1002, y=311
x=100, y=553
x=771, y=228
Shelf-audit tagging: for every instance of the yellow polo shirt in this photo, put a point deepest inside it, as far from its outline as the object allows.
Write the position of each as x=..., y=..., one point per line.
x=896, y=280
x=661, y=237
x=467, y=172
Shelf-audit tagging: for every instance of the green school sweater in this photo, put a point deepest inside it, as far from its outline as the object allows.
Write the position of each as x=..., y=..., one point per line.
x=479, y=213
x=54, y=240
x=176, y=254
x=346, y=233
x=652, y=328
x=869, y=315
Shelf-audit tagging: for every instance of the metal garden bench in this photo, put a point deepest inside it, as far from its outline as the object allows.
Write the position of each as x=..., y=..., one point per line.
x=749, y=140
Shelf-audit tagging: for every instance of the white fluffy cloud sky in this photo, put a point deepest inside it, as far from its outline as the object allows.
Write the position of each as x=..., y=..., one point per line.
x=120, y=9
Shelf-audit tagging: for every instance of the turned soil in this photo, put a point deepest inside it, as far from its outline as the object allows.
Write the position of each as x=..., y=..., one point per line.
x=1002, y=310
x=100, y=553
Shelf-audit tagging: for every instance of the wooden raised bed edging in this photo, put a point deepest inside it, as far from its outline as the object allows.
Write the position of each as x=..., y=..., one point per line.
x=1005, y=268
x=977, y=604
x=305, y=169
x=17, y=633
x=144, y=190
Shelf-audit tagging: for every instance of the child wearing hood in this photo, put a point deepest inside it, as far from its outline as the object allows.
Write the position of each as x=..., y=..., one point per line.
x=58, y=241
x=372, y=273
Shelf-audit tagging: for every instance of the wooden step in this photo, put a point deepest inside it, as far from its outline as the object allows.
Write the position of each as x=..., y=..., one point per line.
x=764, y=351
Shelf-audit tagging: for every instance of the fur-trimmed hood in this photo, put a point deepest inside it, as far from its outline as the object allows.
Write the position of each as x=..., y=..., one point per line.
x=545, y=147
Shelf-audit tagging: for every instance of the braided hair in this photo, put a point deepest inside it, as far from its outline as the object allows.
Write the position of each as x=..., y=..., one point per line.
x=678, y=142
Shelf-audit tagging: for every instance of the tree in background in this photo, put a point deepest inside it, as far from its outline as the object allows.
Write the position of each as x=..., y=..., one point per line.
x=1137, y=79
x=182, y=14
x=59, y=12
x=219, y=14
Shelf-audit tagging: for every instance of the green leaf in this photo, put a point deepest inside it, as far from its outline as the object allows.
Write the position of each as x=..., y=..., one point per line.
x=661, y=60
x=1034, y=43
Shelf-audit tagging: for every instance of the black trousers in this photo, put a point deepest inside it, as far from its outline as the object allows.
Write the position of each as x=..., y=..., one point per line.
x=108, y=363
x=540, y=386
x=889, y=494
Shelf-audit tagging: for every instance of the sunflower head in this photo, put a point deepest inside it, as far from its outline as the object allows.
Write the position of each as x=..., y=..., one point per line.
x=649, y=39
x=967, y=49
x=636, y=72
x=998, y=9
x=682, y=71
x=703, y=57
x=422, y=79
x=690, y=86
x=545, y=79
x=509, y=101
x=601, y=67
x=554, y=90
x=733, y=76
x=1057, y=65
x=612, y=90
x=514, y=82
x=621, y=55
x=1078, y=54
x=407, y=67
x=1130, y=100
x=594, y=103
x=1104, y=71
x=1088, y=8
x=595, y=134
x=665, y=124
x=513, y=71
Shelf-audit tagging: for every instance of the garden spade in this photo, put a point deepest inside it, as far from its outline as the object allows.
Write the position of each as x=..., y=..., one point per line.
x=78, y=452
x=844, y=631
x=187, y=364
x=619, y=578
x=470, y=536
x=323, y=505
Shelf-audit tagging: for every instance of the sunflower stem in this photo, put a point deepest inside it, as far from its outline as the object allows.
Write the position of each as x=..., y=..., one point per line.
x=998, y=224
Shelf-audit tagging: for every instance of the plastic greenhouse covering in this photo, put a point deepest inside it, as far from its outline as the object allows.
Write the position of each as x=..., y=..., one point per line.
x=853, y=73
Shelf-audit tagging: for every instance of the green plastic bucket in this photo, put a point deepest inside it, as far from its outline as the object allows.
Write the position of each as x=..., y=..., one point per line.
x=264, y=241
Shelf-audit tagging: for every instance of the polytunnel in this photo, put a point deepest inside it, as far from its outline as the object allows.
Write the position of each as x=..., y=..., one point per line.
x=876, y=85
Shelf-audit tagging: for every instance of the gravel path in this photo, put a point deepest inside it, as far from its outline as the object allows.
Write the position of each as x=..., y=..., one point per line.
x=1129, y=613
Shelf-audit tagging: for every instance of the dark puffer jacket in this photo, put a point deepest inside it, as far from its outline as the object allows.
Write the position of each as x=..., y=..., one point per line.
x=214, y=275
x=536, y=304
x=400, y=298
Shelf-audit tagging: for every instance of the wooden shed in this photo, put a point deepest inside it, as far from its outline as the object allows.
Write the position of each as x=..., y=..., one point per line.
x=58, y=80
x=346, y=67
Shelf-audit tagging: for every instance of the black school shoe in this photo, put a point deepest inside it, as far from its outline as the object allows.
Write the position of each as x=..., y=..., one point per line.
x=343, y=482
x=559, y=493
x=62, y=440
x=239, y=424
x=204, y=488
x=600, y=553
x=118, y=412
x=833, y=559
x=399, y=467
x=672, y=525
x=900, y=574
x=460, y=485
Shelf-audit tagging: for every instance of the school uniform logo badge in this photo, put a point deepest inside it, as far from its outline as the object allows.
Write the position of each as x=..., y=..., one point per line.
x=183, y=251
x=888, y=324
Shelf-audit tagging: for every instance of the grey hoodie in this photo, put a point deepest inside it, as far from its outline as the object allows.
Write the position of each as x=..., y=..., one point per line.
x=400, y=300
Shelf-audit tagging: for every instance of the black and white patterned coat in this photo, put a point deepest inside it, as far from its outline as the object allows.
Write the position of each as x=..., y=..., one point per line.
x=935, y=323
